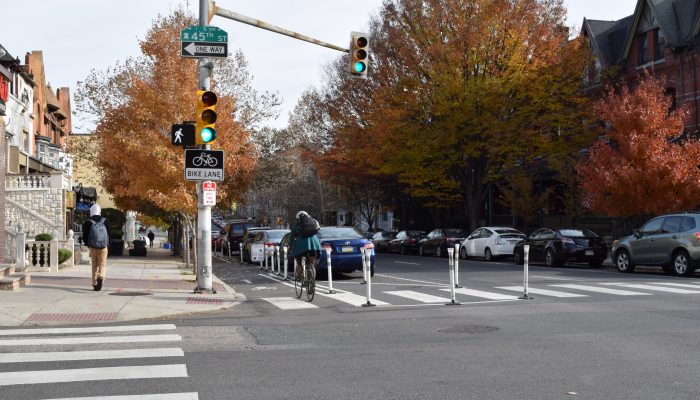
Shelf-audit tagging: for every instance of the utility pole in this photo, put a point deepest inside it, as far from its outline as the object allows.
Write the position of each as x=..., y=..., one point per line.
x=205, y=69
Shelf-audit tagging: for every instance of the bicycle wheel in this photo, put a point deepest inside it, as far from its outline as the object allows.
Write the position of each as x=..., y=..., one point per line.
x=212, y=161
x=311, y=285
x=298, y=286
x=197, y=161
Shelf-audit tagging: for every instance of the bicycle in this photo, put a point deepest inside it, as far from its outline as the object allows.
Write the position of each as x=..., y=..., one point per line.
x=205, y=159
x=307, y=281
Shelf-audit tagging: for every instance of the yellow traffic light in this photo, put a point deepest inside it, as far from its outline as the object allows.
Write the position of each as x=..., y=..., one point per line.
x=359, y=54
x=205, y=117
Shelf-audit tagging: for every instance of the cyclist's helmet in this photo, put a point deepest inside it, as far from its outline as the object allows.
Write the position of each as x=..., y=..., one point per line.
x=300, y=213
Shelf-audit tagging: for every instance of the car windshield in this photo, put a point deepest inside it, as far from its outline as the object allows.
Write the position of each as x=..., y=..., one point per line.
x=339, y=233
x=276, y=234
x=454, y=232
x=509, y=232
x=238, y=229
x=574, y=233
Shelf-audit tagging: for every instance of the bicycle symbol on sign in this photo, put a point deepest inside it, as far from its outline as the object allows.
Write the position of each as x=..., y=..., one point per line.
x=205, y=159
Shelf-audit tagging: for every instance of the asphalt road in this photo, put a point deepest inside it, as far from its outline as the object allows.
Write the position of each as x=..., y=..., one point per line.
x=585, y=334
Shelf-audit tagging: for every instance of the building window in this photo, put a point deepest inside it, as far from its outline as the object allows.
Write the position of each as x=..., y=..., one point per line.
x=671, y=92
x=642, y=51
x=659, y=42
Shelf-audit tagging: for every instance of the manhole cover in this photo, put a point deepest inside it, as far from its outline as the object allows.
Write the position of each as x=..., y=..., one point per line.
x=131, y=294
x=469, y=329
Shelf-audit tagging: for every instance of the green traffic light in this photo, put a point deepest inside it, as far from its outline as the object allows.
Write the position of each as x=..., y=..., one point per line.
x=208, y=135
x=359, y=67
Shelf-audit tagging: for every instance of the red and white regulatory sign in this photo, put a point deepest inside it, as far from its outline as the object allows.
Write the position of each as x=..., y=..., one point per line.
x=209, y=191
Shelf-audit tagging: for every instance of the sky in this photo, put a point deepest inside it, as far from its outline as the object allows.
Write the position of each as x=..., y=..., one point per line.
x=77, y=36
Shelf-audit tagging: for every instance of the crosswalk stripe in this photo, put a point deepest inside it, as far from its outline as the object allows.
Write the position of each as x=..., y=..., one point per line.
x=543, y=292
x=685, y=285
x=89, y=329
x=93, y=374
x=422, y=297
x=351, y=298
x=597, y=289
x=90, y=340
x=482, y=294
x=6, y=358
x=164, y=396
x=289, y=303
x=658, y=288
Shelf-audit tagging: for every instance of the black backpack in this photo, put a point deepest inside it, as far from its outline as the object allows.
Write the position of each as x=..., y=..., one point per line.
x=308, y=226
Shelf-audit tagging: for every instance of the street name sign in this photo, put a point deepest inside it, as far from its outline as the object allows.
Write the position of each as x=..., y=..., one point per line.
x=203, y=41
x=182, y=135
x=204, y=165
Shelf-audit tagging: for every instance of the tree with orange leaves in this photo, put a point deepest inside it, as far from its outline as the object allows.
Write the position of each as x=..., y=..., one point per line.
x=648, y=167
x=133, y=105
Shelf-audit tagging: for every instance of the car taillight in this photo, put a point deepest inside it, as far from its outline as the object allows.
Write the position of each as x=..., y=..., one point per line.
x=451, y=239
x=368, y=246
x=410, y=240
x=567, y=240
x=697, y=235
x=269, y=244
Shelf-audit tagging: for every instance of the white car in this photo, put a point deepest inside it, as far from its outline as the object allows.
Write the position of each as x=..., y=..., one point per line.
x=490, y=242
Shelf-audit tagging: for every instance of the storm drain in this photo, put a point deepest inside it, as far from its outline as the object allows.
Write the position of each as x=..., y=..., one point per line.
x=205, y=300
x=469, y=329
x=131, y=294
x=73, y=317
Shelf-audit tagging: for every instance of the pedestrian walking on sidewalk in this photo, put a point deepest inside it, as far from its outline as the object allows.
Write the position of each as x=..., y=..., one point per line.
x=96, y=236
x=151, y=236
x=304, y=242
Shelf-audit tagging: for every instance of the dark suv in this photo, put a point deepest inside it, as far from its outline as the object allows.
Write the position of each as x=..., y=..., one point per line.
x=233, y=233
x=671, y=241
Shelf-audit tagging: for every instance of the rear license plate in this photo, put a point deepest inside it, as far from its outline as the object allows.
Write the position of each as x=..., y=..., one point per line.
x=589, y=252
x=348, y=249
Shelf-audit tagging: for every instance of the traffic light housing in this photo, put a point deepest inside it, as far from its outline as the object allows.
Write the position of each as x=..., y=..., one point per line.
x=359, y=54
x=205, y=117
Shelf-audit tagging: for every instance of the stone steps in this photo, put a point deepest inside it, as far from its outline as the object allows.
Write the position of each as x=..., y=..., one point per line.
x=11, y=279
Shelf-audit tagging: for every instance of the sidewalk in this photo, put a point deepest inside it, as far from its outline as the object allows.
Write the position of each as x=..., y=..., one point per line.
x=135, y=288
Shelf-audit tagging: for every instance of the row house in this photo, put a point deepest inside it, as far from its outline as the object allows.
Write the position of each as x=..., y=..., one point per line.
x=660, y=38
x=37, y=168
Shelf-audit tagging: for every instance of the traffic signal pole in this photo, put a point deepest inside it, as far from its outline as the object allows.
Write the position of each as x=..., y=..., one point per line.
x=205, y=68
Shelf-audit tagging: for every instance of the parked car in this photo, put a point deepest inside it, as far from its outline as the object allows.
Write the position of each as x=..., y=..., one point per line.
x=671, y=241
x=406, y=242
x=265, y=240
x=380, y=240
x=438, y=240
x=490, y=242
x=248, y=238
x=555, y=247
x=345, y=243
x=234, y=233
x=217, y=241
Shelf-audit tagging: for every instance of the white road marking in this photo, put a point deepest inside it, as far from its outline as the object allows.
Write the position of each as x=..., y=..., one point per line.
x=543, y=292
x=482, y=294
x=164, y=396
x=411, y=280
x=6, y=358
x=404, y=262
x=422, y=297
x=616, y=292
x=685, y=285
x=246, y=281
x=289, y=303
x=90, y=329
x=93, y=374
x=555, y=278
x=658, y=288
x=90, y=340
x=351, y=298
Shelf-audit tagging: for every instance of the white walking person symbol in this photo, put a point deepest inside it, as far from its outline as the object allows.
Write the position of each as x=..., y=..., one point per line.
x=178, y=136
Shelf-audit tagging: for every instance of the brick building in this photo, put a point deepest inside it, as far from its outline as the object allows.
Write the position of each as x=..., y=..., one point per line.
x=660, y=37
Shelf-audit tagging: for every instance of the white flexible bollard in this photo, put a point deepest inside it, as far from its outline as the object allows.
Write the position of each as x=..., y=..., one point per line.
x=329, y=269
x=526, y=268
x=284, y=254
x=364, y=266
x=366, y=256
x=456, y=258
x=240, y=246
x=262, y=259
x=451, y=265
x=277, y=255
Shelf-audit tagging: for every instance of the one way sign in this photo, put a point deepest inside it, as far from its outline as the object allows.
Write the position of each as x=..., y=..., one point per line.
x=204, y=49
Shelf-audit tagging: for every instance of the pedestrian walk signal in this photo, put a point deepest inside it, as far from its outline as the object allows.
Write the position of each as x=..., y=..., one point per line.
x=205, y=116
x=359, y=54
x=182, y=135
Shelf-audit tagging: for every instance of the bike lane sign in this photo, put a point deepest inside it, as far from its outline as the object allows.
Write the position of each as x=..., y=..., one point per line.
x=204, y=165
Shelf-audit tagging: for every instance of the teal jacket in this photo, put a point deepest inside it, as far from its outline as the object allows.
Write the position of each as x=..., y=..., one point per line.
x=301, y=245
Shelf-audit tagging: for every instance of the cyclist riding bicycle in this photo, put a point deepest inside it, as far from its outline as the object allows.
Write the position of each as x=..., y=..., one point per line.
x=304, y=243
